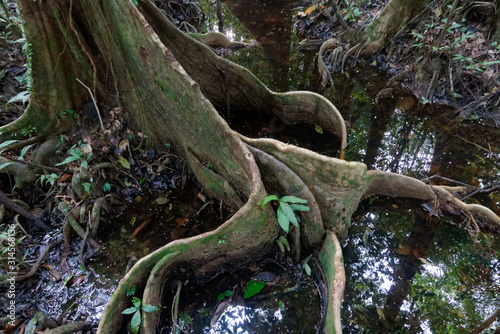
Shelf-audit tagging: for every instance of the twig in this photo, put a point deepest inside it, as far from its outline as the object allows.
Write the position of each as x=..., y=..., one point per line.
x=95, y=103
x=9, y=204
x=39, y=261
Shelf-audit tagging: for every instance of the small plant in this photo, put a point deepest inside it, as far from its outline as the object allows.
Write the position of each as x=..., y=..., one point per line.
x=76, y=153
x=252, y=288
x=44, y=179
x=286, y=206
x=222, y=240
x=29, y=131
x=352, y=12
x=227, y=293
x=135, y=323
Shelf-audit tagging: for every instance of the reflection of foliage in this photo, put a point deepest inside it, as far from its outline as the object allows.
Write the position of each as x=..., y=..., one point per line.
x=466, y=286
x=455, y=289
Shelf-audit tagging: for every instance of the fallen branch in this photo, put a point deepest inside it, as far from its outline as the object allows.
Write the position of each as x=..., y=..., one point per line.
x=35, y=221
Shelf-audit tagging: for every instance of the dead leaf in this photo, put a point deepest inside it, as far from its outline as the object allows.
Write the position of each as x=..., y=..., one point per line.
x=161, y=200
x=181, y=221
x=52, y=271
x=124, y=162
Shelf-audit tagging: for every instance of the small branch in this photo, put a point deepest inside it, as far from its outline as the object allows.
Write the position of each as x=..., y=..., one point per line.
x=338, y=15
x=9, y=204
x=38, y=263
x=95, y=103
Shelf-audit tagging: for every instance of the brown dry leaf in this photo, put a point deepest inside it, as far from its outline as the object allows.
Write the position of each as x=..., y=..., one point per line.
x=181, y=221
x=77, y=280
x=405, y=250
x=64, y=178
x=124, y=144
x=202, y=197
x=52, y=271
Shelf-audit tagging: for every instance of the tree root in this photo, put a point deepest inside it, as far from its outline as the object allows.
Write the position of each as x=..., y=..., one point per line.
x=217, y=40
x=277, y=175
x=204, y=253
x=336, y=184
x=9, y=204
x=38, y=262
x=72, y=327
x=243, y=89
x=334, y=278
x=63, y=207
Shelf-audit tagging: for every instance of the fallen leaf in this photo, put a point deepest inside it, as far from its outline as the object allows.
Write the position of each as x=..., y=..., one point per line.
x=181, y=221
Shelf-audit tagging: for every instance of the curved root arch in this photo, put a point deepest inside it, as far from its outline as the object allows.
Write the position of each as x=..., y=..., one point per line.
x=230, y=87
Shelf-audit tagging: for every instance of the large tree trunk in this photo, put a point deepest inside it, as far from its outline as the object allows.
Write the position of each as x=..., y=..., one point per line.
x=131, y=57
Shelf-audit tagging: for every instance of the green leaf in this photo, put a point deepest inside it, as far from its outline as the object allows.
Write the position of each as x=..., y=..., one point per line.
x=106, y=187
x=283, y=220
x=268, y=199
x=135, y=323
x=124, y=162
x=130, y=310
x=7, y=143
x=284, y=241
x=253, y=288
x=136, y=3
x=131, y=291
x=287, y=210
x=307, y=269
x=149, y=308
x=68, y=160
x=299, y=207
x=5, y=164
x=292, y=199
x=23, y=151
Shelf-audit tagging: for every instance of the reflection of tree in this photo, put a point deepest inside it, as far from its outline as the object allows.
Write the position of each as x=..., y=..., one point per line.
x=270, y=23
x=412, y=251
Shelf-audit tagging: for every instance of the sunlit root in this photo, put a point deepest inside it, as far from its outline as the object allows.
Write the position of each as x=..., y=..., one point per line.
x=395, y=185
x=336, y=58
x=72, y=327
x=215, y=39
x=332, y=264
x=475, y=210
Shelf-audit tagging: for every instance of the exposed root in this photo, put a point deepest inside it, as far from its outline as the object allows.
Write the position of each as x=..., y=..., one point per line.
x=63, y=207
x=38, y=262
x=72, y=327
x=277, y=175
x=9, y=204
x=475, y=210
x=217, y=40
x=334, y=278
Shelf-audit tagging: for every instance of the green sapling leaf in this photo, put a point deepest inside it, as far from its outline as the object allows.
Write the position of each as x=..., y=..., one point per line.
x=299, y=207
x=268, y=199
x=253, y=288
x=283, y=220
x=290, y=215
x=149, y=308
x=130, y=310
x=135, y=323
x=292, y=199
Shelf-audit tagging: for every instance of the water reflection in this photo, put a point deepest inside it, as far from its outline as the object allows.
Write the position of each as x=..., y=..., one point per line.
x=409, y=270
